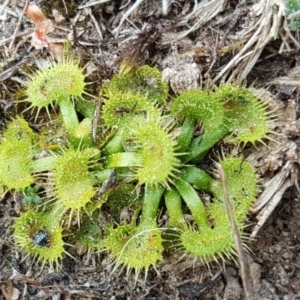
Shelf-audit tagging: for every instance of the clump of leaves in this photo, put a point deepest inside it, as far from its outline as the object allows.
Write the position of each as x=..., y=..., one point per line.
x=230, y=112
x=31, y=195
x=152, y=153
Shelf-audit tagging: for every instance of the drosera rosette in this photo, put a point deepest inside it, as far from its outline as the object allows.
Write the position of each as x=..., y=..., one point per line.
x=61, y=83
x=15, y=160
x=211, y=238
x=154, y=161
x=124, y=112
x=73, y=182
x=40, y=235
x=137, y=246
x=242, y=195
x=200, y=106
x=144, y=81
x=247, y=117
x=149, y=155
x=229, y=111
x=16, y=155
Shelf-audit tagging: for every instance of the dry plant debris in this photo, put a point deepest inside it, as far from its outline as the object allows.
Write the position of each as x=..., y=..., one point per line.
x=277, y=163
x=264, y=25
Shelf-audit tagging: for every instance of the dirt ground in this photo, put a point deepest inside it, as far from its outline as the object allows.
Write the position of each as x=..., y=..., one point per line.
x=207, y=42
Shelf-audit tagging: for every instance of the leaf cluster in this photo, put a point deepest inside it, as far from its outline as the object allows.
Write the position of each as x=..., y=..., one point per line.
x=146, y=155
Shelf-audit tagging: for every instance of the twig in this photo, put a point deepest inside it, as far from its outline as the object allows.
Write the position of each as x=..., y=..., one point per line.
x=285, y=81
x=96, y=119
x=272, y=187
x=18, y=25
x=235, y=59
x=96, y=24
x=12, y=70
x=244, y=267
x=202, y=14
x=127, y=14
x=288, y=32
x=266, y=28
x=269, y=208
x=3, y=6
x=22, y=34
x=93, y=3
x=214, y=57
x=294, y=15
x=165, y=7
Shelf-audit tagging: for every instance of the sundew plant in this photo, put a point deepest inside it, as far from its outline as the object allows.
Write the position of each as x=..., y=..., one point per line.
x=146, y=156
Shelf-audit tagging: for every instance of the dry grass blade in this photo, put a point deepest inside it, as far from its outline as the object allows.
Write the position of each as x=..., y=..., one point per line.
x=244, y=266
x=274, y=186
x=266, y=28
x=93, y=3
x=3, y=6
x=18, y=25
x=203, y=12
x=269, y=208
x=127, y=14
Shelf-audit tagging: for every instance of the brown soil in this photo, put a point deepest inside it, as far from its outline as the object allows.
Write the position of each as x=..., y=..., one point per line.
x=208, y=40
